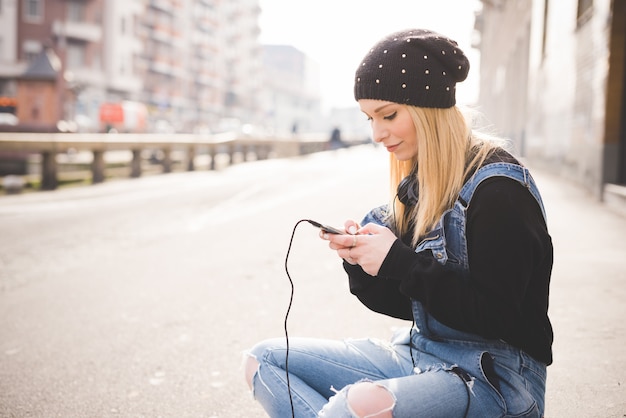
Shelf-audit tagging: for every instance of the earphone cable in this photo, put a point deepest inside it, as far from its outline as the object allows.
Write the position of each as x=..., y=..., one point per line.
x=293, y=233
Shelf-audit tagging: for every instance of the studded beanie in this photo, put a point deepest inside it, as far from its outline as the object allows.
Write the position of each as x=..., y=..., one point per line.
x=416, y=67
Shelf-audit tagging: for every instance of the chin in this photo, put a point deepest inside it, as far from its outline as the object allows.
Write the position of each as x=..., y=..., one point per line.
x=403, y=157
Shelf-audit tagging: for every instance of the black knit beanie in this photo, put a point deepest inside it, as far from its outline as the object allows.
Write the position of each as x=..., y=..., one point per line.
x=416, y=67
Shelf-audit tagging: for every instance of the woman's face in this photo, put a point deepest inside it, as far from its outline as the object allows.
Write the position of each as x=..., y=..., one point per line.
x=392, y=126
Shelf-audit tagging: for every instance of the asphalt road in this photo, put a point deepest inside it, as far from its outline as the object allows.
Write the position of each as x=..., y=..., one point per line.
x=136, y=298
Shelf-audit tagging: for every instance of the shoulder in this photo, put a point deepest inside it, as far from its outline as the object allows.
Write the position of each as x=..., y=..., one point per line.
x=501, y=189
x=502, y=199
x=500, y=155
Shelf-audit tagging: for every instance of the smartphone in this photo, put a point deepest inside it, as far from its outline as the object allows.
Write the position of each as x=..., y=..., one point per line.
x=326, y=228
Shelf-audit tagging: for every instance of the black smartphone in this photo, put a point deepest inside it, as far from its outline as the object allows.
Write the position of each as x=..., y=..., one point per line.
x=326, y=228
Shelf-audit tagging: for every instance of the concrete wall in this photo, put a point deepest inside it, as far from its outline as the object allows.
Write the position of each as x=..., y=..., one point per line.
x=504, y=68
x=544, y=80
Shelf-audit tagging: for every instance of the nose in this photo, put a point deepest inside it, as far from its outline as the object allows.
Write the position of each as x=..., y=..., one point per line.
x=379, y=132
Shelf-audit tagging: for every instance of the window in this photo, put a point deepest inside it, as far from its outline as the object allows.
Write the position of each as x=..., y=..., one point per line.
x=30, y=49
x=75, y=11
x=33, y=10
x=75, y=56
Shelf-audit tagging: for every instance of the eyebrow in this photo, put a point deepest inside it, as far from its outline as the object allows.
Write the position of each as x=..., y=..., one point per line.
x=378, y=109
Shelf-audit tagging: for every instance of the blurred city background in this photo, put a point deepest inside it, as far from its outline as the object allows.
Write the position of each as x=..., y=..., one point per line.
x=547, y=75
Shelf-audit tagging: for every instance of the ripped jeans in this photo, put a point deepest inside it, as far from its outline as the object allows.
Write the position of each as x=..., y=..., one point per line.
x=485, y=380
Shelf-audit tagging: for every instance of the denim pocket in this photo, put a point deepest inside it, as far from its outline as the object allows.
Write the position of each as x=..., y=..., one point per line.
x=511, y=389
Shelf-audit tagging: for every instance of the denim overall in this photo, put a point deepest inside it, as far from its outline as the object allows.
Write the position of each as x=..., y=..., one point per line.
x=516, y=379
x=430, y=369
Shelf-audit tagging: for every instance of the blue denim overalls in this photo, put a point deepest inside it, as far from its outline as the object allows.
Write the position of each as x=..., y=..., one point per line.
x=519, y=389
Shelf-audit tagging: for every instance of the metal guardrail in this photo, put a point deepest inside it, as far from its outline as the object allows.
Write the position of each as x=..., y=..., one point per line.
x=48, y=145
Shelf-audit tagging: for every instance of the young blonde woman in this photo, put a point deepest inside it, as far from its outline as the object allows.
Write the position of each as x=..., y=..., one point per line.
x=461, y=249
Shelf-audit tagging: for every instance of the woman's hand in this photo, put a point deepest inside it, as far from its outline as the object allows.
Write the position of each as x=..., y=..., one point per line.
x=367, y=246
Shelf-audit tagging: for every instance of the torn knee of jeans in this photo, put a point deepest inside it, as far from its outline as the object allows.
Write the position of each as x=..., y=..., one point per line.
x=371, y=400
x=251, y=367
x=339, y=404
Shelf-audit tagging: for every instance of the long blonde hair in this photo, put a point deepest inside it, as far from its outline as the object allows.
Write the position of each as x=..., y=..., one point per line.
x=448, y=152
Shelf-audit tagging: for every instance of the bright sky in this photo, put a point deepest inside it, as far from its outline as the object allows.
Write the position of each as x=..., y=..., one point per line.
x=336, y=34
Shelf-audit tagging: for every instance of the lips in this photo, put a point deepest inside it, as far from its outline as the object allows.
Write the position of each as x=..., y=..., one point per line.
x=392, y=148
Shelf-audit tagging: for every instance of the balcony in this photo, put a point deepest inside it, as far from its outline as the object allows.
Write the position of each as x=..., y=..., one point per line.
x=162, y=67
x=84, y=31
x=82, y=76
x=131, y=84
x=12, y=69
x=164, y=6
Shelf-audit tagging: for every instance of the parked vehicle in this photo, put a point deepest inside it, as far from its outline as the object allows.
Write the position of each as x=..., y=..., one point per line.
x=126, y=116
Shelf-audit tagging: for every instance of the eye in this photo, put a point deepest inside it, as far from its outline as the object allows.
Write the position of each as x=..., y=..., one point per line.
x=391, y=116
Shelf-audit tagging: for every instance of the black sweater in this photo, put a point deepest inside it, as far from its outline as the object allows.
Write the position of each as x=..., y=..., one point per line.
x=510, y=258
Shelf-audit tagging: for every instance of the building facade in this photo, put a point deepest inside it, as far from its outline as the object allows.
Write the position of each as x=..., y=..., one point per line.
x=10, y=67
x=189, y=62
x=553, y=80
x=292, y=100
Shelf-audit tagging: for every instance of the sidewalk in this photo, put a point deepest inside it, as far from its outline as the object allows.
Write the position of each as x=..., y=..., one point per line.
x=137, y=297
x=588, y=291
x=587, y=303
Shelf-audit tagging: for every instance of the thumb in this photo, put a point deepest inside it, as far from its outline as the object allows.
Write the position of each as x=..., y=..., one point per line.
x=351, y=227
x=371, y=229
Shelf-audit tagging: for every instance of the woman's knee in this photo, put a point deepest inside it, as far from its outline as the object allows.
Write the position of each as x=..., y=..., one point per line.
x=367, y=399
x=251, y=366
x=263, y=352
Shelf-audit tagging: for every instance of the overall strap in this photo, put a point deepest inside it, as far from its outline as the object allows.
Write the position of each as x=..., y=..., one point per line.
x=509, y=170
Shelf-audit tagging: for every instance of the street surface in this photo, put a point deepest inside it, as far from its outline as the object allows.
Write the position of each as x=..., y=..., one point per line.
x=136, y=298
